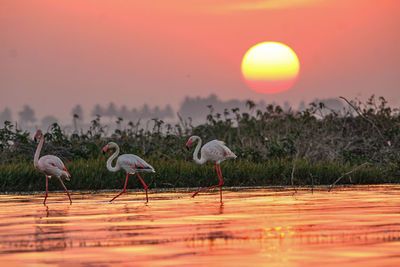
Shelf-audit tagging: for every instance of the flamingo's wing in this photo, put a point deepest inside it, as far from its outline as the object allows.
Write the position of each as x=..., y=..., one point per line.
x=52, y=165
x=133, y=163
x=216, y=150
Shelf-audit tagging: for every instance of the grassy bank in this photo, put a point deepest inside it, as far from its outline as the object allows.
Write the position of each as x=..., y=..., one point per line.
x=314, y=146
x=93, y=175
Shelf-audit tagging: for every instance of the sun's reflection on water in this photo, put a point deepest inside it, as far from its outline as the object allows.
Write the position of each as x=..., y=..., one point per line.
x=252, y=227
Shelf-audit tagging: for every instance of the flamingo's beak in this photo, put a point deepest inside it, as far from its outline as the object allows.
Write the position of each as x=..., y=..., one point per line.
x=105, y=150
x=36, y=136
x=188, y=144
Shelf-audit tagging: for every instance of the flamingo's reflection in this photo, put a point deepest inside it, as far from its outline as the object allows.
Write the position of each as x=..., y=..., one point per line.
x=49, y=229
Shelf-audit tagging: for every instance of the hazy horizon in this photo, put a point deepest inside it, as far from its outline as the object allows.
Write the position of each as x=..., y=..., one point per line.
x=194, y=109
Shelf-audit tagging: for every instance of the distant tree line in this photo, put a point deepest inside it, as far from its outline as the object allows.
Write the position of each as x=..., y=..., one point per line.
x=195, y=108
x=145, y=112
x=27, y=116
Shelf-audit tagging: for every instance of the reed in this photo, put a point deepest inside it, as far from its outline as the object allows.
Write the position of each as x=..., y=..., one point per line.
x=92, y=175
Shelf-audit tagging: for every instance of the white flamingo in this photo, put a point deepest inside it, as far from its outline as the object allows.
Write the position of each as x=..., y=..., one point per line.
x=130, y=163
x=215, y=151
x=50, y=165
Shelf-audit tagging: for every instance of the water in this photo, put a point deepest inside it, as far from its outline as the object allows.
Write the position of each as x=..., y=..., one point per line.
x=254, y=227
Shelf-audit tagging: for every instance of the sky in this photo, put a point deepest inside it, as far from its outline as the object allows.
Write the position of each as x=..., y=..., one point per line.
x=56, y=54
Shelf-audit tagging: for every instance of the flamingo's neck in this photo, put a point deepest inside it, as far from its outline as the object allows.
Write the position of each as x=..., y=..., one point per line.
x=111, y=158
x=37, y=153
x=196, y=153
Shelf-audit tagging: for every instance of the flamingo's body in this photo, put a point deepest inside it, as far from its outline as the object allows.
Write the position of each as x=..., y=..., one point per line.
x=130, y=163
x=215, y=151
x=50, y=166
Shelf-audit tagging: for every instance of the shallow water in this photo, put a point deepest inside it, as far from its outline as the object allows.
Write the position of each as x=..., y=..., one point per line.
x=254, y=227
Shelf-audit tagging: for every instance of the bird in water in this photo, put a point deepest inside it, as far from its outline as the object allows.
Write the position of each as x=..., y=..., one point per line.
x=130, y=163
x=50, y=166
x=215, y=151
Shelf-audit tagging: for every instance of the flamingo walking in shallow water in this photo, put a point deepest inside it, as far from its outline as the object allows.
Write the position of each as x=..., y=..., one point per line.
x=130, y=163
x=50, y=165
x=215, y=151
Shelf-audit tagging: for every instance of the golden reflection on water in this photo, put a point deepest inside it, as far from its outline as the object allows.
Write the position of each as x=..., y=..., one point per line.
x=254, y=227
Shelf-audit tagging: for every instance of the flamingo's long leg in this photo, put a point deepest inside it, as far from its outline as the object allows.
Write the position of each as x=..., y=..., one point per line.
x=221, y=182
x=201, y=190
x=144, y=184
x=218, y=167
x=123, y=190
x=47, y=190
x=70, y=201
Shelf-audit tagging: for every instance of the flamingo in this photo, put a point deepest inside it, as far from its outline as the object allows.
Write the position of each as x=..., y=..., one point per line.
x=215, y=151
x=50, y=166
x=130, y=163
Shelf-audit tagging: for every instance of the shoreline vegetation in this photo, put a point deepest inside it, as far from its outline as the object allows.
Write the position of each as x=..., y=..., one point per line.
x=315, y=146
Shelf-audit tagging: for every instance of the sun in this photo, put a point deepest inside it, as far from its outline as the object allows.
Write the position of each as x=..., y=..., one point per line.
x=270, y=67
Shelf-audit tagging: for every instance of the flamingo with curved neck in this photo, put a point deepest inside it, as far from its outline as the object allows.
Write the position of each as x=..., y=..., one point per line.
x=50, y=165
x=196, y=158
x=130, y=163
x=111, y=158
x=215, y=151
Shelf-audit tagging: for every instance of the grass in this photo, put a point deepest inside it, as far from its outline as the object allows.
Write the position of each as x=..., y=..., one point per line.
x=92, y=175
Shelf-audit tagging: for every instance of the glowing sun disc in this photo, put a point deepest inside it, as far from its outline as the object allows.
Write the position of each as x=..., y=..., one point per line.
x=270, y=67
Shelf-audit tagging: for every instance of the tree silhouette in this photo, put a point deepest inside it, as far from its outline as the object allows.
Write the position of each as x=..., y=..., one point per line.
x=77, y=115
x=196, y=108
x=48, y=120
x=97, y=111
x=330, y=105
x=168, y=112
x=124, y=113
x=156, y=113
x=134, y=114
x=111, y=111
x=27, y=115
x=5, y=115
x=77, y=110
x=144, y=112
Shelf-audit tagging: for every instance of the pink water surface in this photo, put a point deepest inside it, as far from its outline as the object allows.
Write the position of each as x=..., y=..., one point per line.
x=254, y=227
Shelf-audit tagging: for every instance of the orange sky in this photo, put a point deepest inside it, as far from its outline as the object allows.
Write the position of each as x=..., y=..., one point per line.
x=69, y=52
